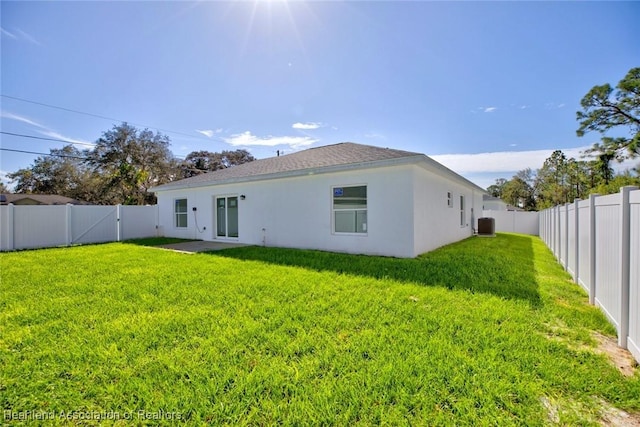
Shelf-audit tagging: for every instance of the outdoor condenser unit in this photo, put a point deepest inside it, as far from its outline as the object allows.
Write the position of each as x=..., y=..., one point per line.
x=486, y=227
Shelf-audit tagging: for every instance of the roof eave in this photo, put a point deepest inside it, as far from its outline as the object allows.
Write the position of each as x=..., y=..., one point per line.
x=296, y=173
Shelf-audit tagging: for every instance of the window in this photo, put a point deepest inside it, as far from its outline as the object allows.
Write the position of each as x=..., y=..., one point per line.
x=449, y=199
x=462, y=213
x=180, y=211
x=350, y=209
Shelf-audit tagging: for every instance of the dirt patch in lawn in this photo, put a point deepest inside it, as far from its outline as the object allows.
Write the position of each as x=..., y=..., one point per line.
x=614, y=417
x=620, y=357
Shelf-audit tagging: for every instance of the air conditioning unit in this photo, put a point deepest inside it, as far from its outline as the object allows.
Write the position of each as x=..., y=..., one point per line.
x=487, y=227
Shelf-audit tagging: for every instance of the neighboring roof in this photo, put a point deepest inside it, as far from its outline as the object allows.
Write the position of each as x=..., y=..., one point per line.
x=40, y=199
x=345, y=155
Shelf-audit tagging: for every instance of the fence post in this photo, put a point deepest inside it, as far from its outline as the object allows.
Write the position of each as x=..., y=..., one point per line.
x=592, y=248
x=566, y=236
x=118, y=230
x=576, y=234
x=558, y=234
x=11, y=226
x=69, y=228
x=625, y=263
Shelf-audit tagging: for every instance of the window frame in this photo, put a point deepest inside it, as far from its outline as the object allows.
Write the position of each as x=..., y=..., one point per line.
x=355, y=209
x=463, y=212
x=176, y=214
x=449, y=199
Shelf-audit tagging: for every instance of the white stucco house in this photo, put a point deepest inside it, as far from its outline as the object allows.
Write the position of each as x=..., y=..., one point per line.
x=344, y=197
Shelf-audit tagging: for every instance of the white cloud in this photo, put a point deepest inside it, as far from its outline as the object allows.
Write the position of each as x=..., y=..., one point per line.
x=209, y=132
x=502, y=161
x=7, y=33
x=44, y=130
x=247, y=139
x=19, y=34
x=56, y=135
x=307, y=126
x=23, y=119
x=28, y=37
x=490, y=109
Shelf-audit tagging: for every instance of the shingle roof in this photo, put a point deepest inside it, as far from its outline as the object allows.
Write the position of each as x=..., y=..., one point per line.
x=42, y=199
x=342, y=154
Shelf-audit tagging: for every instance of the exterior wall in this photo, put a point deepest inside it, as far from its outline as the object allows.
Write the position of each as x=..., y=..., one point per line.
x=437, y=224
x=297, y=212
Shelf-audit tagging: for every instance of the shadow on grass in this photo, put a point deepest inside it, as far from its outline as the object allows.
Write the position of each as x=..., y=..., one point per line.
x=502, y=266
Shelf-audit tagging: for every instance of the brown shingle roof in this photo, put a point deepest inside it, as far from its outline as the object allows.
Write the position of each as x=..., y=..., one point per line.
x=40, y=199
x=345, y=153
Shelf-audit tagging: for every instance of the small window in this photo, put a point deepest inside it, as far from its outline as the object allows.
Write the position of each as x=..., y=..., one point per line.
x=180, y=211
x=350, y=209
x=463, y=219
x=449, y=199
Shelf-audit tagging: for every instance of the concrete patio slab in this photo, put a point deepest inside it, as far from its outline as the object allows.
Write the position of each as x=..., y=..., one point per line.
x=200, y=246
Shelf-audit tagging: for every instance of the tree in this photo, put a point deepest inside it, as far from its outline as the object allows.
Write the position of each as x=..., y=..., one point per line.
x=131, y=161
x=198, y=162
x=62, y=172
x=518, y=192
x=604, y=108
x=496, y=189
x=3, y=188
x=551, y=182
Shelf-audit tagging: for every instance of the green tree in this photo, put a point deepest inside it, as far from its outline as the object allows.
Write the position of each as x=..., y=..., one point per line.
x=3, y=188
x=131, y=161
x=62, y=172
x=613, y=185
x=605, y=108
x=496, y=189
x=552, y=180
x=198, y=162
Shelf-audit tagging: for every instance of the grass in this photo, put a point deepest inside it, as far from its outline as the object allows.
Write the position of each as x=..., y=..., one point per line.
x=482, y=332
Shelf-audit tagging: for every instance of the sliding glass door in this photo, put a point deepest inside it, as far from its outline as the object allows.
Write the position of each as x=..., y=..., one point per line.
x=227, y=216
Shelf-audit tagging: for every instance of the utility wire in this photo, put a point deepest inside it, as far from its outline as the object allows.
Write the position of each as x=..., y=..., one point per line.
x=45, y=154
x=51, y=139
x=47, y=139
x=101, y=117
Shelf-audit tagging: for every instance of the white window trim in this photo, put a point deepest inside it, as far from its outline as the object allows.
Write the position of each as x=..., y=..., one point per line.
x=333, y=212
x=175, y=214
x=463, y=212
x=450, y=199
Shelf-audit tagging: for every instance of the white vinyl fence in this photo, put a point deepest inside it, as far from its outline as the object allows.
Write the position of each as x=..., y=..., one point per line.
x=598, y=242
x=514, y=221
x=24, y=227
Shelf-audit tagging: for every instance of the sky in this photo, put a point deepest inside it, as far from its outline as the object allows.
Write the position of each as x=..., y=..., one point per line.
x=486, y=88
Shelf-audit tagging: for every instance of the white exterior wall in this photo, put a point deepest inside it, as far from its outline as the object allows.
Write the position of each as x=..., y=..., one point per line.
x=297, y=212
x=437, y=224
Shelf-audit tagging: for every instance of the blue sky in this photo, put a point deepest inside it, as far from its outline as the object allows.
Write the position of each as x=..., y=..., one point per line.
x=486, y=88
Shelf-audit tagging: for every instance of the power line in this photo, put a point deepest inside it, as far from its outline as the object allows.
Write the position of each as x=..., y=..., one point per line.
x=100, y=117
x=47, y=139
x=45, y=154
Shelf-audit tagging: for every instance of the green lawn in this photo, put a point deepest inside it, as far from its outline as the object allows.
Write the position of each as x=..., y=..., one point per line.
x=481, y=332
